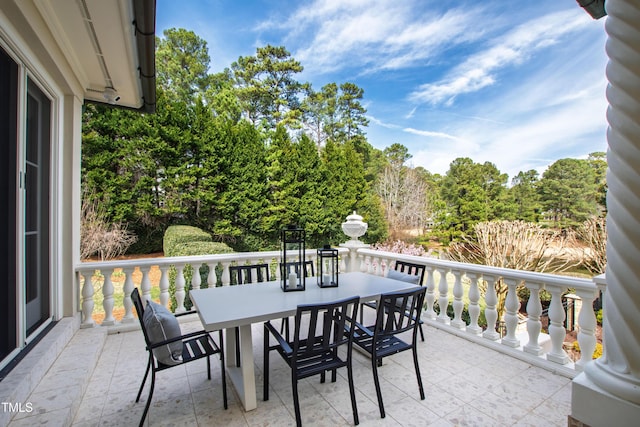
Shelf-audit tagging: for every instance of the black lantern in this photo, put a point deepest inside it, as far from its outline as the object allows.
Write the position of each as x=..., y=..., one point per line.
x=327, y=267
x=292, y=272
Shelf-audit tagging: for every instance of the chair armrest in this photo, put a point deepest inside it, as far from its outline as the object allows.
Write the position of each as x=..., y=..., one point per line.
x=361, y=330
x=281, y=341
x=185, y=313
x=180, y=338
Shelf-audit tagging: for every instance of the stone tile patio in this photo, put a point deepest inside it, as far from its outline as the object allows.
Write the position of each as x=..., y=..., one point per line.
x=465, y=384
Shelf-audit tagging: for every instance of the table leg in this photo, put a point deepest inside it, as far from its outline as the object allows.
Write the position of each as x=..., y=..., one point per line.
x=243, y=376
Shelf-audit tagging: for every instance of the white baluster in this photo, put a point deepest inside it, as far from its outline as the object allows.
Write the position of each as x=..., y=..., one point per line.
x=180, y=293
x=196, y=279
x=443, y=299
x=587, y=327
x=557, y=331
x=512, y=304
x=127, y=289
x=164, y=285
x=458, y=304
x=212, y=278
x=145, y=284
x=226, y=277
x=369, y=264
x=87, y=300
x=474, y=307
x=107, y=301
x=430, y=296
x=490, y=311
x=534, y=326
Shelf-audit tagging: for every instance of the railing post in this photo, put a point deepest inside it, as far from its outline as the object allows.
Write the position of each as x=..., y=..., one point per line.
x=534, y=325
x=164, y=285
x=107, y=301
x=512, y=304
x=145, y=284
x=557, y=331
x=196, y=280
x=212, y=278
x=587, y=328
x=443, y=299
x=458, y=304
x=180, y=285
x=490, y=311
x=474, y=307
x=430, y=296
x=87, y=300
x=226, y=277
x=127, y=289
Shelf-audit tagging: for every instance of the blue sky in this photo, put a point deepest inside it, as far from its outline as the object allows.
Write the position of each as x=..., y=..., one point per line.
x=517, y=83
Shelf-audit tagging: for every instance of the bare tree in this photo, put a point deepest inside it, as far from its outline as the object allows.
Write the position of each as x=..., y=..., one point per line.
x=97, y=235
x=593, y=234
x=518, y=245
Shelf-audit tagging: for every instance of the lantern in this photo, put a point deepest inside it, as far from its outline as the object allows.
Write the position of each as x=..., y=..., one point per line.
x=327, y=267
x=292, y=277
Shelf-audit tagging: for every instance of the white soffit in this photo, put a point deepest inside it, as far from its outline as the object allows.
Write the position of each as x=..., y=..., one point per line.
x=97, y=39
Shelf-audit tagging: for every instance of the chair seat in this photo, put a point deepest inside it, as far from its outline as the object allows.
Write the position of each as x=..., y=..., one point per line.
x=315, y=364
x=387, y=345
x=195, y=348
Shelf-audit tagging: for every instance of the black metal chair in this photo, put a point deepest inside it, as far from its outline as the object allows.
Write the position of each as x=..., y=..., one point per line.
x=314, y=348
x=397, y=312
x=243, y=274
x=406, y=268
x=292, y=267
x=195, y=345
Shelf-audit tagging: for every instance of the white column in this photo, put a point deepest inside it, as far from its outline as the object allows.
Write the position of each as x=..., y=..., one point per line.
x=164, y=284
x=587, y=328
x=430, y=296
x=618, y=371
x=612, y=382
x=196, y=279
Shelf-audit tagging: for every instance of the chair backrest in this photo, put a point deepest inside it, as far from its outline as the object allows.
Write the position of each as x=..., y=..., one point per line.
x=241, y=274
x=411, y=268
x=325, y=329
x=292, y=267
x=399, y=312
x=139, y=306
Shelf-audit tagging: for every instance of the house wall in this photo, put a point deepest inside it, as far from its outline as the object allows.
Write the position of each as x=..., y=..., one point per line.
x=25, y=36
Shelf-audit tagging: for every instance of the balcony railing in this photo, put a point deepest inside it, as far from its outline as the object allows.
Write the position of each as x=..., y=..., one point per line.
x=447, y=283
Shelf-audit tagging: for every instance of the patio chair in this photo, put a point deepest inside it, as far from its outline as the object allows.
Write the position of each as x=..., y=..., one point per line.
x=168, y=347
x=406, y=272
x=397, y=313
x=242, y=274
x=315, y=344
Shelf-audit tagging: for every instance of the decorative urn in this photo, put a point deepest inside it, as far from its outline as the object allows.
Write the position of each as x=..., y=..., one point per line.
x=354, y=227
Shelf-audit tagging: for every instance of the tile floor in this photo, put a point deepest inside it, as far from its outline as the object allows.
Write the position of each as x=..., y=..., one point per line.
x=465, y=385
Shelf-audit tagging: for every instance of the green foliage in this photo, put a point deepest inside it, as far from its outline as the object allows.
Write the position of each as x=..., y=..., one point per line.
x=597, y=352
x=178, y=235
x=599, y=317
x=181, y=240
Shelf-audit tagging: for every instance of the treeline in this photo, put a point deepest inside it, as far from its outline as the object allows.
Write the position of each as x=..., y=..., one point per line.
x=244, y=152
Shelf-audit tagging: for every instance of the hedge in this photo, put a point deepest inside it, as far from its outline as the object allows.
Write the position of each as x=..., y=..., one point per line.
x=177, y=241
x=180, y=234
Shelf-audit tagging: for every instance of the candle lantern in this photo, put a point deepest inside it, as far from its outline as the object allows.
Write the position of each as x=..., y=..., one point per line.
x=292, y=277
x=327, y=267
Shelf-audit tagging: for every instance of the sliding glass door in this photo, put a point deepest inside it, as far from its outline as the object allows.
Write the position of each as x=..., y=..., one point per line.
x=25, y=214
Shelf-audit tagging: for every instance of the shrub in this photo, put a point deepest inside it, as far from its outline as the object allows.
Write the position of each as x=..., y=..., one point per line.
x=178, y=234
x=482, y=320
x=178, y=244
x=597, y=353
x=599, y=317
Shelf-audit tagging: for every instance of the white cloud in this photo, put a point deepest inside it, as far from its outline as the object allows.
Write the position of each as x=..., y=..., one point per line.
x=481, y=69
x=431, y=134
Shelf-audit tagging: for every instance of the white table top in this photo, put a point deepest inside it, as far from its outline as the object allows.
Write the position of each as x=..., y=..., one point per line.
x=230, y=306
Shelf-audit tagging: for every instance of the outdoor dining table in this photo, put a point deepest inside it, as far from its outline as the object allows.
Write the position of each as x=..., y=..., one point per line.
x=228, y=307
